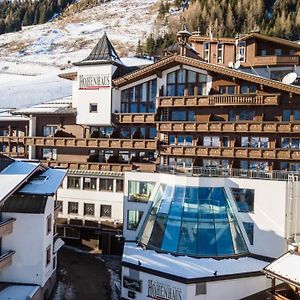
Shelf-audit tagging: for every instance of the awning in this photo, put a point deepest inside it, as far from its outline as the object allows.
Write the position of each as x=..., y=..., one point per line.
x=57, y=245
x=286, y=268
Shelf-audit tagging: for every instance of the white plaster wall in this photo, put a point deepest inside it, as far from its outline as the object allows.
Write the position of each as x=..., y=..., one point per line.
x=101, y=96
x=233, y=289
x=27, y=239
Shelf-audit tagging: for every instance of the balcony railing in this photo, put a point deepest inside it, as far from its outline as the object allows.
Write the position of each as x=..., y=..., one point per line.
x=128, y=118
x=218, y=100
x=240, y=126
x=6, y=259
x=6, y=227
x=229, y=152
x=113, y=167
x=276, y=60
x=227, y=172
x=108, y=143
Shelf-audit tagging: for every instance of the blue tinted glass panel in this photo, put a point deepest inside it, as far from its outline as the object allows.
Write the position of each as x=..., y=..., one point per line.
x=158, y=232
x=190, y=212
x=249, y=228
x=176, y=210
x=171, y=236
x=207, y=239
x=188, y=238
x=223, y=239
x=191, y=195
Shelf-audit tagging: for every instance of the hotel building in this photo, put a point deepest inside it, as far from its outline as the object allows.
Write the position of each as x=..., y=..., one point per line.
x=199, y=159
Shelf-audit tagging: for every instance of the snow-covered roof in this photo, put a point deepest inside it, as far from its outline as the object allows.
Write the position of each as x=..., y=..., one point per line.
x=19, y=292
x=45, y=184
x=58, y=106
x=14, y=175
x=189, y=267
x=57, y=245
x=286, y=268
x=136, y=61
x=6, y=115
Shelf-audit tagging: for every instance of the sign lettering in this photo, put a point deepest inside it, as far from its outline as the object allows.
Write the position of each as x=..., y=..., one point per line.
x=94, y=82
x=163, y=291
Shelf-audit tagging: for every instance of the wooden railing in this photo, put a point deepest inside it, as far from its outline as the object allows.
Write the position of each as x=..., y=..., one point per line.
x=240, y=126
x=104, y=143
x=6, y=259
x=125, y=118
x=6, y=227
x=229, y=152
x=113, y=167
x=218, y=100
x=276, y=60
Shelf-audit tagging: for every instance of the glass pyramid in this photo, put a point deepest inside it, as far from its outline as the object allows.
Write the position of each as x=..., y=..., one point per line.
x=194, y=221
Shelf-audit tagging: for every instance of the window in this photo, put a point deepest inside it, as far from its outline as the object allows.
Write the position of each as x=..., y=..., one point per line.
x=220, y=53
x=292, y=52
x=49, y=153
x=185, y=140
x=140, y=191
x=106, y=184
x=248, y=89
x=105, y=211
x=89, y=209
x=73, y=208
x=93, y=107
x=249, y=228
x=59, y=204
x=258, y=165
x=230, y=89
x=73, y=182
x=244, y=199
x=278, y=52
x=254, y=142
x=49, y=130
x=180, y=162
x=241, y=53
x=247, y=115
x=182, y=79
x=133, y=219
x=292, y=143
x=182, y=115
x=286, y=115
x=89, y=183
x=263, y=52
x=211, y=141
x=120, y=185
x=48, y=255
x=49, y=224
x=296, y=115
x=201, y=288
x=140, y=98
x=206, y=50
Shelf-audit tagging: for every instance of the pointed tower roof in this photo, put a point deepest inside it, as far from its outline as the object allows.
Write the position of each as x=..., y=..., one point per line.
x=102, y=53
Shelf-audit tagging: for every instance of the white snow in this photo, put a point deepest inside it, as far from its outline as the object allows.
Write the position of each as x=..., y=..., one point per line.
x=189, y=267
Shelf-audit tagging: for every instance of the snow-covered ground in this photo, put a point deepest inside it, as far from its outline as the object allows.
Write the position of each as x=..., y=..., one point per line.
x=31, y=59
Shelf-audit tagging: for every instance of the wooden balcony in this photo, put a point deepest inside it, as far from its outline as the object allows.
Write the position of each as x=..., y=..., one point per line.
x=132, y=118
x=241, y=126
x=113, y=167
x=270, y=60
x=237, y=152
x=6, y=259
x=218, y=100
x=138, y=144
x=6, y=227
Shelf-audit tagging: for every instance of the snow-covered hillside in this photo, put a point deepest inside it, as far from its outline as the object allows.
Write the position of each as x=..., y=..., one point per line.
x=43, y=49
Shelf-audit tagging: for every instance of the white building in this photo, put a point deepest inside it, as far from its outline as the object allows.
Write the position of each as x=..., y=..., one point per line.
x=206, y=236
x=29, y=243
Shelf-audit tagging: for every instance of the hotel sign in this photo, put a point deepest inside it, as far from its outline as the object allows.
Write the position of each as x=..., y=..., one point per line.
x=94, y=82
x=132, y=284
x=163, y=291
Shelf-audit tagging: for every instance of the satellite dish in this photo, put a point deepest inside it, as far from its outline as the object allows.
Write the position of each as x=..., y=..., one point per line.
x=237, y=64
x=289, y=78
x=230, y=64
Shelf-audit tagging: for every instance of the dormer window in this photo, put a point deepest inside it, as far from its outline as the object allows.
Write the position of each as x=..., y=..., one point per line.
x=241, y=53
x=278, y=52
x=206, y=50
x=220, y=57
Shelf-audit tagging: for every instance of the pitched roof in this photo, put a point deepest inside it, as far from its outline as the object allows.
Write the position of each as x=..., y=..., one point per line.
x=272, y=39
x=103, y=52
x=174, y=60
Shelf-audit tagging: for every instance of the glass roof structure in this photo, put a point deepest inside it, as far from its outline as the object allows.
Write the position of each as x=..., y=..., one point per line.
x=193, y=221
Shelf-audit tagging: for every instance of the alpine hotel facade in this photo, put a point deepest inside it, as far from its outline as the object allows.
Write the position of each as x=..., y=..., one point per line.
x=213, y=111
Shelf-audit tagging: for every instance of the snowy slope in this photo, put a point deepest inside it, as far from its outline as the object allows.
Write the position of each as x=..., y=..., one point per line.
x=31, y=59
